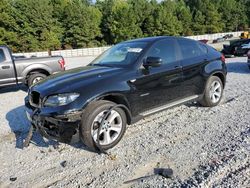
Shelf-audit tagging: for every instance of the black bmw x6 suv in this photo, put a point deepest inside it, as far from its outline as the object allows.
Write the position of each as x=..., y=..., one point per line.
x=143, y=76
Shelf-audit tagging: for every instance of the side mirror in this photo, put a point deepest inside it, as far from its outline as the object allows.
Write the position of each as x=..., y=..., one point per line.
x=152, y=62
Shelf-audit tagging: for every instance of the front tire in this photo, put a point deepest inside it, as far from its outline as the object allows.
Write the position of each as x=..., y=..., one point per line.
x=213, y=92
x=113, y=129
x=35, y=78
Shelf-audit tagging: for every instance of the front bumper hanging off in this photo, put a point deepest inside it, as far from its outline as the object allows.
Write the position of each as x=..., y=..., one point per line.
x=60, y=127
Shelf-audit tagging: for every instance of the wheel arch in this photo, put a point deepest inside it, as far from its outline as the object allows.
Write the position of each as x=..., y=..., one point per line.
x=43, y=71
x=221, y=76
x=118, y=99
x=38, y=70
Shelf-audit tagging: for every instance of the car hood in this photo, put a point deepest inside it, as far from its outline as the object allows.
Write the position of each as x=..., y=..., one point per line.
x=73, y=79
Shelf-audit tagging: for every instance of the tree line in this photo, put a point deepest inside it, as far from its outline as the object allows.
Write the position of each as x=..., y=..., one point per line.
x=35, y=25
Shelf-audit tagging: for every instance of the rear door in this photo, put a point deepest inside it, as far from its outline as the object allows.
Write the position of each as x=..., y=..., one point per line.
x=193, y=58
x=7, y=72
x=158, y=85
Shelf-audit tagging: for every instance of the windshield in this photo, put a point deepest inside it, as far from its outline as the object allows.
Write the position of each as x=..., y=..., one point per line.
x=121, y=54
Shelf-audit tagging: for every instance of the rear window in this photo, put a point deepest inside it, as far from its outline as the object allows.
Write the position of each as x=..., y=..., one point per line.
x=2, y=56
x=191, y=49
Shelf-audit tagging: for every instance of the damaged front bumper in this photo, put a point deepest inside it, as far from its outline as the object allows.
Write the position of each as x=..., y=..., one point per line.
x=54, y=126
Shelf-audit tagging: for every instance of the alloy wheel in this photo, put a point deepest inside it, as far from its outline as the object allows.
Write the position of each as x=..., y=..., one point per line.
x=215, y=91
x=37, y=79
x=111, y=129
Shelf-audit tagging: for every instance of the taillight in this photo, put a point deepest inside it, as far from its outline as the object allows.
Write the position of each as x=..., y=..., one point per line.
x=223, y=59
x=62, y=63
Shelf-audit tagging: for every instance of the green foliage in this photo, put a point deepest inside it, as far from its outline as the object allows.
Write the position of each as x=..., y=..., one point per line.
x=123, y=24
x=213, y=21
x=32, y=25
x=142, y=10
x=231, y=14
x=106, y=8
x=8, y=30
x=163, y=20
x=36, y=27
x=184, y=15
x=206, y=17
x=81, y=24
x=247, y=3
x=198, y=23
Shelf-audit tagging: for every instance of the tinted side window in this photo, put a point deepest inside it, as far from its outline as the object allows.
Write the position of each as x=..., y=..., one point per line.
x=165, y=49
x=203, y=48
x=2, y=56
x=191, y=49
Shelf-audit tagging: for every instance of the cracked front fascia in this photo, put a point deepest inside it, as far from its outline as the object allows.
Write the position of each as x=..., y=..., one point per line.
x=72, y=116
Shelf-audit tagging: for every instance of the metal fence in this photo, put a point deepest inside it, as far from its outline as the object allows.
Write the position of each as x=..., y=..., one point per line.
x=99, y=50
x=214, y=36
x=68, y=53
x=81, y=52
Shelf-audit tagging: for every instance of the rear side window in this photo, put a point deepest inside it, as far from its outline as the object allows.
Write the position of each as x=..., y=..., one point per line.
x=165, y=49
x=203, y=48
x=191, y=49
x=2, y=56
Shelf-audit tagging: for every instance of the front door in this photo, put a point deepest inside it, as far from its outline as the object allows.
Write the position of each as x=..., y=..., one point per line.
x=7, y=73
x=157, y=86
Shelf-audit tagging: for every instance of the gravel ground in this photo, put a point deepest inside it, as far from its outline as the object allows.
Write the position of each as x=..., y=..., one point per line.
x=205, y=147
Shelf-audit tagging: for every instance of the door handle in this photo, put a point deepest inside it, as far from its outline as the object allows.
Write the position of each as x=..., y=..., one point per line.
x=5, y=67
x=178, y=67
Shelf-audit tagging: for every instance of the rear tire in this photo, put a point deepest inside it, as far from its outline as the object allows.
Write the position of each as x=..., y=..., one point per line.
x=35, y=78
x=90, y=123
x=213, y=92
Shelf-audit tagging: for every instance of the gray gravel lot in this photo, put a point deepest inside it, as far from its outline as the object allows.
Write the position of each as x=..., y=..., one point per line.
x=205, y=147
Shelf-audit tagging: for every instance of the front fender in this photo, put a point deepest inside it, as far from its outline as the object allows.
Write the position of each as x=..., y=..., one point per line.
x=112, y=96
x=117, y=98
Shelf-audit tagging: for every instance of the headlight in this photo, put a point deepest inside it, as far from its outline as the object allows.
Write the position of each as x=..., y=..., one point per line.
x=61, y=99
